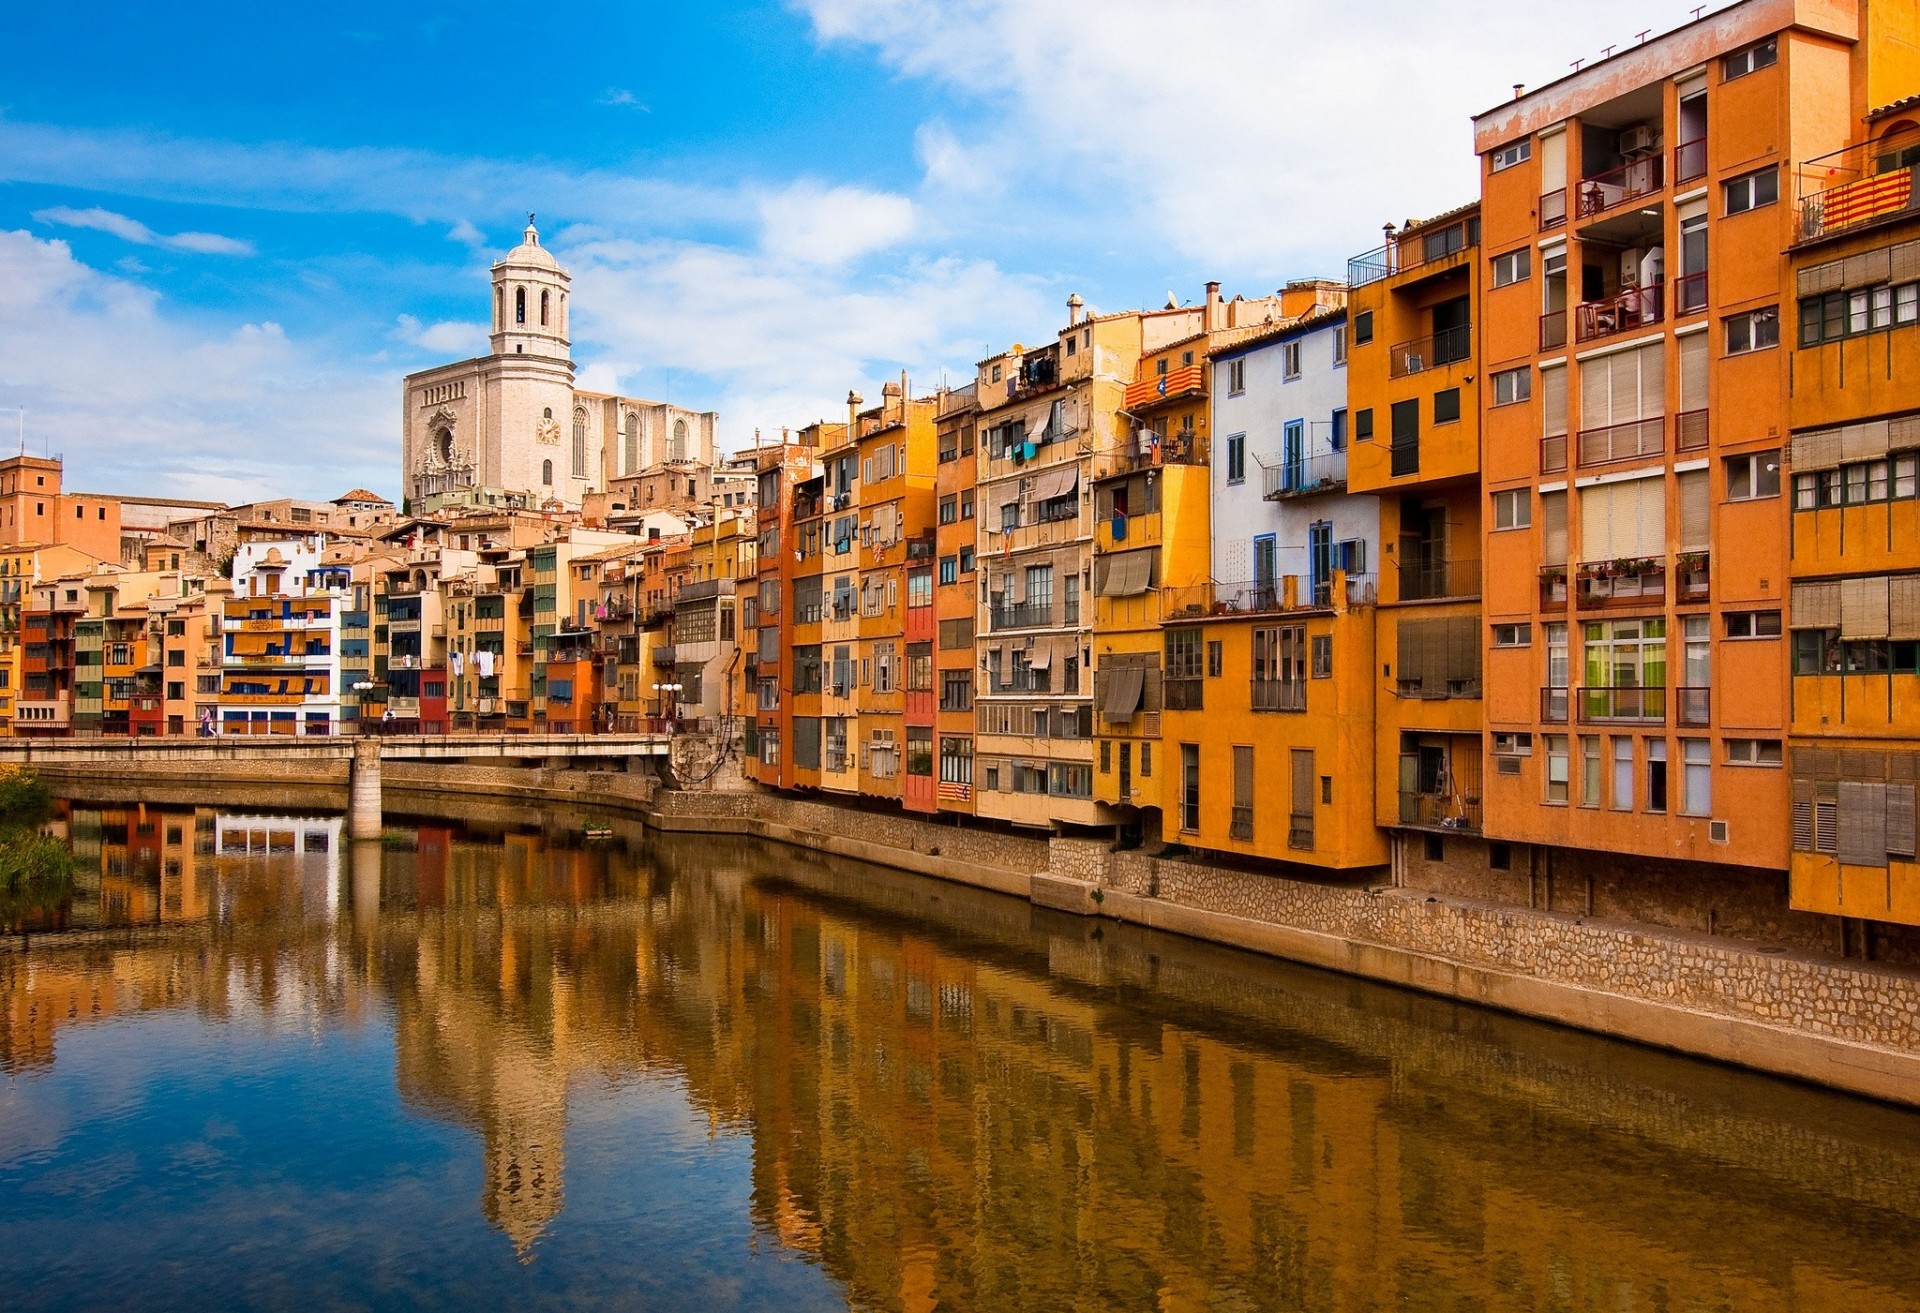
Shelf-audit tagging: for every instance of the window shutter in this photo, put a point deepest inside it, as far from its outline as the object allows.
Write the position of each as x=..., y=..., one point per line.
x=1624, y=384
x=1553, y=162
x=1863, y=607
x=1553, y=520
x=1817, y=450
x=1596, y=392
x=1463, y=650
x=1596, y=523
x=1803, y=815
x=1695, y=500
x=1900, y=834
x=1820, y=278
x=1903, y=606
x=1863, y=823
x=1243, y=776
x=1867, y=268
x=1864, y=441
x=1652, y=379
x=1641, y=529
x=1302, y=782
x=1904, y=263
x=1410, y=645
x=1693, y=372
x=1553, y=401
x=1815, y=606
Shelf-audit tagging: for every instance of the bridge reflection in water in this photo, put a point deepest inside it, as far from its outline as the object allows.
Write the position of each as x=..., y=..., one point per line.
x=955, y=1101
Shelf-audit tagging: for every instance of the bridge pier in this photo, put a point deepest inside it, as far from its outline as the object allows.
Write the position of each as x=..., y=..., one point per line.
x=363, y=790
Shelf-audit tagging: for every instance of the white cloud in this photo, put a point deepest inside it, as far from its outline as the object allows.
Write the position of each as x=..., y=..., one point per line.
x=812, y=224
x=621, y=98
x=467, y=234
x=448, y=337
x=141, y=398
x=132, y=230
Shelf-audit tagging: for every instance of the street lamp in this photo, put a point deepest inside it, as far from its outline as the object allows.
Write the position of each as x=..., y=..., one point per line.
x=673, y=715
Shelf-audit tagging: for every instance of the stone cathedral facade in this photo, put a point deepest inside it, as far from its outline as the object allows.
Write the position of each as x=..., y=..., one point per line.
x=511, y=422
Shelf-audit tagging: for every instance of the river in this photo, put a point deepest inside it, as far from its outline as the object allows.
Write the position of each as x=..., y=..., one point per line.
x=494, y=1064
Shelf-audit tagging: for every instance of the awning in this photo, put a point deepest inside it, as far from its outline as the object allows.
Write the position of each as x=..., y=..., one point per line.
x=1128, y=574
x=1123, y=691
x=1057, y=482
x=1039, y=659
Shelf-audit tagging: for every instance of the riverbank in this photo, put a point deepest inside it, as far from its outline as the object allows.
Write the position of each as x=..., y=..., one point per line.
x=1843, y=1023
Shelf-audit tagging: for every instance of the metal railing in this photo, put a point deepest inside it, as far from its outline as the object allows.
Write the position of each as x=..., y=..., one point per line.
x=1628, y=582
x=1553, y=329
x=1553, y=705
x=1553, y=208
x=1026, y=615
x=1693, y=707
x=1426, y=581
x=1326, y=472
x=1627, y=182
x=1279, y=695
x=1633, y=440
x=1858, y=185
x=1408, y=252
x=1634, y=308
x=1641, y=704
x=1690, y=430
x=1553, y=454
x=1690, y=293
x=1693, y=577
x=1440, y=811
x=1690, y=160
x=1431, y=352
x=1241, y=826
x=1553, y=587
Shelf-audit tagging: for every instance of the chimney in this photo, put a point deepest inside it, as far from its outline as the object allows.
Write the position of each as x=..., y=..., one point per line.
x=854, y=402
x=1075, y=306
x=1519, y=90
x=1213, y=322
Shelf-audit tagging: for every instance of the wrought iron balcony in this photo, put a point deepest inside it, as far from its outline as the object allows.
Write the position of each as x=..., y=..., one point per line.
x=1025, y=615
x=1305, y=477
x=1624, y=312
x=1431, y=352
x=1617, y=186
x=1426, y=581
x=1279, y=695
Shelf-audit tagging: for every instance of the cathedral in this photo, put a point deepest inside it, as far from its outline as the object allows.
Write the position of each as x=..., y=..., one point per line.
x=510, y=427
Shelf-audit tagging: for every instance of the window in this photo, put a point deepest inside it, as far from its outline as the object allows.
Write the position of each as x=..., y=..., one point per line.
x=1753, y=476
x=949, y=510
x=1753, y=752
x=966, y=506
x=920, y=588
x=1446, y=406
x=1753, y=624
x=1186, y=359
x=1300, y=811
x=1656, y=775
x=1513, y=745
x=1512, y=385
x=1216, y=660
x=1363, y=328
x=1321, y=646
x=1290, y=359
x=1834, y=315
x=1160, y=365
x=1623, y=774
x=1591, y=778
x=949, y=569
x=1237, y=458
x=1556, y=768
x=1190, y=787
x=1363, y=424
x=956, y=761
x=1236, y=377
x=1514, y=635
x=1751, y=190
x=1513, y=267
x=1340, y=346
x=1516, y=152
x=1513, y=509
x=1697, y=795
x=1752, y=59
x=1754, y=330
x=966, y=560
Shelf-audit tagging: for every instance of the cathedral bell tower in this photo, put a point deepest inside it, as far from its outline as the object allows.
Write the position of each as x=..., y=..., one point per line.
x=530, y=301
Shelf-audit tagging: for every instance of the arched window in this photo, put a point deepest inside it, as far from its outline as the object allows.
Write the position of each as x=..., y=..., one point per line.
x=580, y=444
x=630, y=457
x=519, y=305
x=543, y=309
x=679, y=451
x=547, y=413
x=546, y=473
x=499, y=308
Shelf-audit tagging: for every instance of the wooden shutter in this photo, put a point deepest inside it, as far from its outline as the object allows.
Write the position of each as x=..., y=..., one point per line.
x=1815, y=606
x=1863, y=823
x=1693, y=372
x=1553, y=530
x=1596, y=392
x=1553, y=401
x=1243, y=777
x=1463, y=651
x=1802, y=815
x=1867, y=268
x=1903, y=606
x=1820, y=278
x=1900, y=827
x=1695, y=511
x=1553, y=162
x=1863, y=607
x=1904, y=263
x=1649, y=501
x=1596, y=523
x=1816, y=450
x=1650, y=377
x=1866, y=441
x=1410, y=644
x=1302, y=763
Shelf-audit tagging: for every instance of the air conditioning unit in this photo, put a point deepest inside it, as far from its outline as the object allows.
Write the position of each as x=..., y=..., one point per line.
x=1637, y=140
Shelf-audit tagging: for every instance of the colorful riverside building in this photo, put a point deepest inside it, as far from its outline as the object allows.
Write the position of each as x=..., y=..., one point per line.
x=281, y=663
x=789, y=498
x=1854, y=746
x=838, y=670
x=1634, y=386
x=955, y=487
x=1414, y=400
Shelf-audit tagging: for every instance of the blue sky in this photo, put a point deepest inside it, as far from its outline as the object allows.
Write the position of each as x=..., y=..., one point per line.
x=227, y=230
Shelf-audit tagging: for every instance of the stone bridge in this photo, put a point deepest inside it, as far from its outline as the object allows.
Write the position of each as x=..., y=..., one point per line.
x=362, y=756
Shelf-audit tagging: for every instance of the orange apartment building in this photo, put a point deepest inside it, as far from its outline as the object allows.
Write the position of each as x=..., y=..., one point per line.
x=782, y=508
x=1633, y=274
x=1414, y=393
x=1854, y=469
x=34, y=509
x=956, y=506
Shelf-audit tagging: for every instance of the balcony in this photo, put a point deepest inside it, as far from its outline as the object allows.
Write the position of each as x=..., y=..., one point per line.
x=1263, y=597
x=1025, y=615
x=1632, y=309
x=1428, y=581
x=1690, y=294
x=1693, y=707
x=1629, y=182
x=1411, y=251
x=1279, y=695
x=1850, y=188
x=1553, y=209
x=1553, y=330
x=1149, y=450
x=1694, y=577
x=1423, y=353
x=1553, y=588
x=1631, y=581
x=1187, y=380
x=1553, y=706
x=1553, y=454
x=1440, y=811
x=1307, y=477
x=1690, y=160
x=1634, y=440
x=1643, y=705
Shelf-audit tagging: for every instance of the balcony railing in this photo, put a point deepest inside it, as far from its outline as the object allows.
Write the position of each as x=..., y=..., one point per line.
x=1414, y=249
x=1326, y=472
x=1648, y=705
x=1630, y=181
x=1632, y=581
x=1553, y=705
x=1027, y=615
x=1431, y=352
x=1263, y=597
x=1690, y=430
x=1553, y=209
x=1279, y=695
x=1426, y=581
x=1690, y=160
x=1553, y=329
x=1241, y=825
x=1441, y=811
x=1634, y=440
x=1553, y=454
x=1692, y=707
x=1689, y=293
x=1553, y=587
x=1632, y=309
x=1693, y=577
x=1855, y=186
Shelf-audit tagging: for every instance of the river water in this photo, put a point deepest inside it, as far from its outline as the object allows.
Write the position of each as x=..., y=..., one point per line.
x=493, y=1064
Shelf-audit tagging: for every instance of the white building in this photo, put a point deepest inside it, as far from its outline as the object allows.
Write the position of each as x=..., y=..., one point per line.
x=280, y=645
x=1279, y=469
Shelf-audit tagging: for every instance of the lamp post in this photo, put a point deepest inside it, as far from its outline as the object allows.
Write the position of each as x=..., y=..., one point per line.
x=673, y=707
x=362, y=687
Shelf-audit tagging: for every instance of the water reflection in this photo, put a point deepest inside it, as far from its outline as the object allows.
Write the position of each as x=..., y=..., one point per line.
x=952, y=1101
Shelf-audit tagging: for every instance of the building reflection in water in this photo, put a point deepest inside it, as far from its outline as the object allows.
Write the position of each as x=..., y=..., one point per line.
x=957, y=1102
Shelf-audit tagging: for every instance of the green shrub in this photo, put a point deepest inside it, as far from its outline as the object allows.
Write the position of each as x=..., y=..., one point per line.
x=24, y=796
